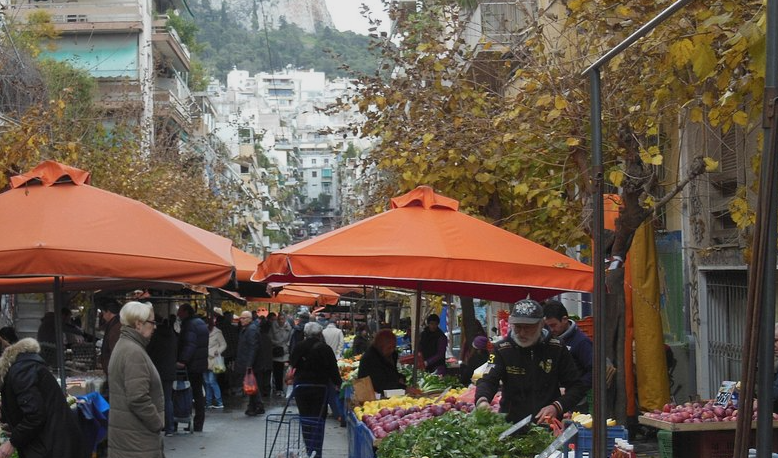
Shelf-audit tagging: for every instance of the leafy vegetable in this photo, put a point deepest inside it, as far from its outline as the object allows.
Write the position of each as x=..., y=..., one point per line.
x=460, y=435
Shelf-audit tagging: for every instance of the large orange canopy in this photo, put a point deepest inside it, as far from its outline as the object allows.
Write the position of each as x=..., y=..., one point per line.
x=425, y=243
x=57, y=225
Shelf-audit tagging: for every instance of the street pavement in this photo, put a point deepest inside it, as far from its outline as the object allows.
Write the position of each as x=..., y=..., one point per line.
x=228, y=433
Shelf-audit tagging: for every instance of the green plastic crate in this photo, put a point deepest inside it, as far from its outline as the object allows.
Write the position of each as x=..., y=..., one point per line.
x=665, y=440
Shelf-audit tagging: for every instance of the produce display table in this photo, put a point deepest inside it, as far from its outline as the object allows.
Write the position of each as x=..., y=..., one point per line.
x=703, y=440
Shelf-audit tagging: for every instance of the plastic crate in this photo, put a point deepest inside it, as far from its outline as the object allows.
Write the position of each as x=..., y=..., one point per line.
x=716, y=444
x=583, y=444
x=586, y=325
x=665, y=442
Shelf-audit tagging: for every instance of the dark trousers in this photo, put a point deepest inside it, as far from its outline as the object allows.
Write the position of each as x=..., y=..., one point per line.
x=279, y=368
x=312, y=405
x=196, y=379
x=263, y=379
x=167, y=390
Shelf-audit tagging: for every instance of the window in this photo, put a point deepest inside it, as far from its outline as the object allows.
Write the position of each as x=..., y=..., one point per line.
x=730, y=152
x=314, y=173
x=313, y=161
x=326, y=161
x=244, y=168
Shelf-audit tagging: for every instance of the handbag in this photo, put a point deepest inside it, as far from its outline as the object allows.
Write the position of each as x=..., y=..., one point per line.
x=218, y=365
x=250, y=382
x=278, y=352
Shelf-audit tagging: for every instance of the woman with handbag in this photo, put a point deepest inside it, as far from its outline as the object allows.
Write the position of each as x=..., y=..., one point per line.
x=216, y=346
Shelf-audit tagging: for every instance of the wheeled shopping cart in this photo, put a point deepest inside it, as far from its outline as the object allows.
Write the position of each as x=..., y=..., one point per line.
x=182, y=400
x=298, y=435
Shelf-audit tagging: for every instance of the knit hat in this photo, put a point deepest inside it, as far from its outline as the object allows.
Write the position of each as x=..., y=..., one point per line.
x=480, y=342
x=433, y=318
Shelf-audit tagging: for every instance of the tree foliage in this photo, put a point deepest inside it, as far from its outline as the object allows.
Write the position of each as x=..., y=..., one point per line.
x=517, y=154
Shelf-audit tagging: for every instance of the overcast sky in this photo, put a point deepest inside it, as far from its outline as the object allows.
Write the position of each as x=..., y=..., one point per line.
x=346, y=14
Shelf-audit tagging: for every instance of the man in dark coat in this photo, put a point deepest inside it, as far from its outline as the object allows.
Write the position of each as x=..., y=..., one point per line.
x=162, y=350
x=110, y=313
x=41, y=422
x=432, y=344
x=532, y=366
x=228, y=380
x=193, y=356
x=250, y=356
x=298, y=334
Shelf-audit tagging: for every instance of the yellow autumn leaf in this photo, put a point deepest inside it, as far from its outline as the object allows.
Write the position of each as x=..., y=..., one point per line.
x=695, y=115
x=471, y=159
x=521, y=189
x=710, y=164
x=649, y=202
x=560, y=103
x=623, y=11
x=616, y=177
x=507, y=137
x=704, y=60
x=482, y=177
x=681, y=52
x=422, y=47
x=438, y=66
x=572, y=141
x=707, y=98
x=487, y=45
x=575, y=5
x=740, y=118
x=543, y=100
x=72, y=147
x=457, y=121
x=427, y=138
x=656, y=160
x=407, y=175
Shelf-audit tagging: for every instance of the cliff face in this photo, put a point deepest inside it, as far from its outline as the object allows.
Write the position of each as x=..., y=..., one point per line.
x=306, y=14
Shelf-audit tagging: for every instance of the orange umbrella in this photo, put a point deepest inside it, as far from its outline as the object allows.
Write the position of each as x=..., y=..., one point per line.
x=302, y=295
x=63, y=227
x=424, y=243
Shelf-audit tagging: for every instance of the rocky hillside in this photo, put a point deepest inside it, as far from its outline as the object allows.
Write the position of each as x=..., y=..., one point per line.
x=306, y=14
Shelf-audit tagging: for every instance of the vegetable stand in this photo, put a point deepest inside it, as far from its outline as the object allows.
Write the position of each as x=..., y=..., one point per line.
x=699, y=440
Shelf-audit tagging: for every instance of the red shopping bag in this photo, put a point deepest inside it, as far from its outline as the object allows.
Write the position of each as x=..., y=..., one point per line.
x=250, y=382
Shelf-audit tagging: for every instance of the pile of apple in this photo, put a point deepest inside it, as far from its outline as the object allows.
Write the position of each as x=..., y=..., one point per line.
x=697, y=412
x=388, y=420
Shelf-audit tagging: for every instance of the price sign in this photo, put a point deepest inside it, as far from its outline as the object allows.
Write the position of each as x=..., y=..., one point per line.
x=725, y=393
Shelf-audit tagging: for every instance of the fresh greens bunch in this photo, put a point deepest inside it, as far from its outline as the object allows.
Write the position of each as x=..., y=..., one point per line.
x=460, y=435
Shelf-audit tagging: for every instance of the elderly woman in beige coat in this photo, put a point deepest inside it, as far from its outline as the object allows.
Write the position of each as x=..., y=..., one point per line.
x=137, y=401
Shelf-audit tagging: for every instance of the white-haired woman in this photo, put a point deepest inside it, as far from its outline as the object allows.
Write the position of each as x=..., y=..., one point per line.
x=137, y=400
x=34, y=407
x=314, y=363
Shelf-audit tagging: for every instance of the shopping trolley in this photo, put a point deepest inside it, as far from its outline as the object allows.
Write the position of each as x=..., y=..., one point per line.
x=298, y=435
x=182, y=400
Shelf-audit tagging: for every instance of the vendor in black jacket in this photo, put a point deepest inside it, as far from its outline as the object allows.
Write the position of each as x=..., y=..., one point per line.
x=532, y=367
x=380, y=363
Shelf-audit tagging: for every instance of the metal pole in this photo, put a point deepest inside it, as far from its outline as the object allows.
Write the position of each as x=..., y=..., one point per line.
x=764, y=434
x=639, y=33
x=417, y=315
x=600, y=433
x=58, y=335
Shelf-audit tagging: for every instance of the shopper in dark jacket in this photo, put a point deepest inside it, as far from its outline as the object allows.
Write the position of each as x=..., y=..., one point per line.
x=380, y=363
x=193, y=356
x=314, y=364
x=249, y=356
x=532, y=368
x=432, y=344
x=361, y=341
x=163, y=350
x=41, y=422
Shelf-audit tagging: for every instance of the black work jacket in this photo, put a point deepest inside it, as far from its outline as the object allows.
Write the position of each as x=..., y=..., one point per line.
x=531, y=377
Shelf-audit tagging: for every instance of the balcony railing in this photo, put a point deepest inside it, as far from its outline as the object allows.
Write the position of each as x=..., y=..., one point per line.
x=499, y=23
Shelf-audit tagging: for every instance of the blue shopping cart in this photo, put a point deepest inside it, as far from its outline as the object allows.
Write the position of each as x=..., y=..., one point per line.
x=298, y=435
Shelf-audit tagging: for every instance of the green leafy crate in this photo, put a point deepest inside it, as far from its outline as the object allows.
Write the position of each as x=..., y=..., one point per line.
x=583, y=440
x=464, y=435
x=665, y=441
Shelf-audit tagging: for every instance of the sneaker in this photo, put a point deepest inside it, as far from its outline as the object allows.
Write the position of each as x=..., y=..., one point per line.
x=219, y=406
x=279, y=394
x=169, y=433
x=259, y=411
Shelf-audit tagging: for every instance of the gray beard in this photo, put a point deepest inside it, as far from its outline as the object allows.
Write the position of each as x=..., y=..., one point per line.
x=530, y=343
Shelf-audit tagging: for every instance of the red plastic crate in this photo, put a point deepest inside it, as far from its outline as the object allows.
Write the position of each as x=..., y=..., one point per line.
x=586, y=325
